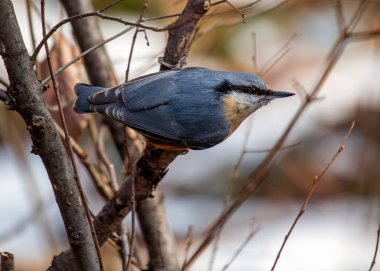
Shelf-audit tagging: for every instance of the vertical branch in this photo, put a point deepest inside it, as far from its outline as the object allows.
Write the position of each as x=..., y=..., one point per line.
x=157, y=234
x=182, y=31
x=7, y=261
x=376, y=250
x=68, y=141
x=133, y=208
x=26, y=92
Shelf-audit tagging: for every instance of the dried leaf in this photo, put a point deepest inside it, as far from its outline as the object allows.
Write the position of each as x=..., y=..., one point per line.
x=62, y=52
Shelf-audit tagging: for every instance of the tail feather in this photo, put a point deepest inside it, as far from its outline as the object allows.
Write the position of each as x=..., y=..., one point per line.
x=82, y=103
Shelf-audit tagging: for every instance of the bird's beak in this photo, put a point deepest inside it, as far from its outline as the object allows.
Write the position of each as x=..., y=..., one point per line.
x=279, y=94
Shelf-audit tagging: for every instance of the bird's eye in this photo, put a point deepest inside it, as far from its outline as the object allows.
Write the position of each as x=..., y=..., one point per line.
x=255, y=89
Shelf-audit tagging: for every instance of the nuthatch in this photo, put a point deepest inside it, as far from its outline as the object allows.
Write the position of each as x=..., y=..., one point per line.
x=191, y=108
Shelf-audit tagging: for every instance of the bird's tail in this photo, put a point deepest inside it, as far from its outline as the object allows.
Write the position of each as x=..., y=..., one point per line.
x=82, y=103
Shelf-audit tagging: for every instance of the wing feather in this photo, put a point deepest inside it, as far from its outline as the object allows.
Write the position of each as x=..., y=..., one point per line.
x=113, y=110
x=149, y=91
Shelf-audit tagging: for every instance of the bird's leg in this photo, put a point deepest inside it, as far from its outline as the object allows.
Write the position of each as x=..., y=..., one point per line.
x=177, y=66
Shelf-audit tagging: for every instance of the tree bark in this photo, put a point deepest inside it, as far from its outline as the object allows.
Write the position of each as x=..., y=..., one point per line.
x=7, y=262
x=25, y=92
x=157, y=234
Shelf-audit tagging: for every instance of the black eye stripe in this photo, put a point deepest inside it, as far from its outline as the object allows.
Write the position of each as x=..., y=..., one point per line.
x=227, y=86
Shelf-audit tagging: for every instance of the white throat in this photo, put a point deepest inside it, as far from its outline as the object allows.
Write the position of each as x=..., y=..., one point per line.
x=239, y=105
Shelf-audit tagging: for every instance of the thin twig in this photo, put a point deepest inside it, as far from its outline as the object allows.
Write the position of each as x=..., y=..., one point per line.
x=316, y=180
x=300, y=89
x=356, y=17
x=339, y=15
x=139, y=20
x=113, y=184
x=106, y=161
x=103, y=189
x=249, y=237
x=268, y=150
x=133, y=209
x=83, y=15
x=114, y=3
x=376, y=250
x=235, y=171
x=277, y=56
x=161, y=17
x=178, y=14
x=188, y=242
x=254, y=53
x=236, y=9
x=29, y=6
x=87, y=52
x=358, y=36
x=67, y=138
x=243, y=8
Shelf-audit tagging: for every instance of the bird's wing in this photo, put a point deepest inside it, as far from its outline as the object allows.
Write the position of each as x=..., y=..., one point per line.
x=158, y=123
x=161, y=124
x=149, y=91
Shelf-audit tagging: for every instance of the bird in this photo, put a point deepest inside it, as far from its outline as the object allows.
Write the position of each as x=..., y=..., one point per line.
x=180, y=109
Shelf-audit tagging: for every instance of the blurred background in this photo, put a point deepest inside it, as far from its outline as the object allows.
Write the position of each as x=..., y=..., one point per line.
x=288, y=43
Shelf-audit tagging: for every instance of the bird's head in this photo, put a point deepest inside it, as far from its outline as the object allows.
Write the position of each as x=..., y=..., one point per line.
x=243, y=94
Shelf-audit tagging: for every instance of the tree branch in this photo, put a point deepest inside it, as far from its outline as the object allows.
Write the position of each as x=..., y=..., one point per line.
x=7, y=261
x=182, y=30
x=26, y=92
x=157, y=234
x=376, y=250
